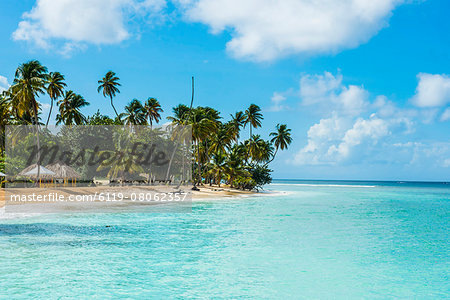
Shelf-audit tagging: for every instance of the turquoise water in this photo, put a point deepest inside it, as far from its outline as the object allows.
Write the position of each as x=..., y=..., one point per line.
x=316, y=240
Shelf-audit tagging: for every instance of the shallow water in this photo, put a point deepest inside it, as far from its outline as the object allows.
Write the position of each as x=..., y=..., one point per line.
x=322, y=240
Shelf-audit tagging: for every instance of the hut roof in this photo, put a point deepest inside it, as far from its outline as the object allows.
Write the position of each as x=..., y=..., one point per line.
x=63, y=171
x=31, y=171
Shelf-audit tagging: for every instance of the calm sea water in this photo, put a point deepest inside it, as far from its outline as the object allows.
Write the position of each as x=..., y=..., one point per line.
x=316, y=239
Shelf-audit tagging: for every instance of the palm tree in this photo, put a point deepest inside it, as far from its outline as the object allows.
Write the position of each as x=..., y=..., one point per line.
x=152, y=110
x=237, y=121
x=258, y=149
x=253, y=117
x=281, y=139
x=55, y=89
x=134, y=114
x=5, y=117
x=28, y=84
x=202, y=128
x=109, y=85
x=69, y=109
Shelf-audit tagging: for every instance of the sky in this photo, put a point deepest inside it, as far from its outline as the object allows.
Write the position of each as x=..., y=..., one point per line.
x=364, y=85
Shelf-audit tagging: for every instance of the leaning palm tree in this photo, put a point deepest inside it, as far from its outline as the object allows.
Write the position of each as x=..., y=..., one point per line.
x=55, y=89
x=28, y=84
x=134, y=114
x=281, y=139
x=70, y=109
x=253, y=117
x=109, y=87
x=152, y=110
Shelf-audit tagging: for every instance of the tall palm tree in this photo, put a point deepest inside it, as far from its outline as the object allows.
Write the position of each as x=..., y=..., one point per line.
x=134, y=114
x=253, y=117
x=55, y=89
x=281, y=139
x=70, y=109
x=28, y=84
x=109, y=87
x=152, y=110
x=202, y=128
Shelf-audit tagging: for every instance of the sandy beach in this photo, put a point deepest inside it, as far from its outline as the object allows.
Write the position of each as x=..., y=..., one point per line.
x=105, y=198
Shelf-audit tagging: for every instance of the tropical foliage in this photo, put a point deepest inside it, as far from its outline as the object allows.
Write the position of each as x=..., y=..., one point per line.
x=220, y=153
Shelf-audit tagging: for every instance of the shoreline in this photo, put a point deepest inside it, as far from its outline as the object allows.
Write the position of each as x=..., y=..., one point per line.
x=17, y=209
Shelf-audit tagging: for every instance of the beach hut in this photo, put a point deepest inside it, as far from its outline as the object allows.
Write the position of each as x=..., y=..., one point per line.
x=32, y=172
x=64, y=172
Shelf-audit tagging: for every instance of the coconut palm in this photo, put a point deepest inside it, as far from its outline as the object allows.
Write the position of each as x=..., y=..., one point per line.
x=258, y=149
x=134, y=114
x=109, y=87
x=29, y=83
x=281, y=139
x=237, y=121
x=55, y=89
x=152, y=110
x=70, y=109
x=253, y=117
x=220, y=141
x=202, y=127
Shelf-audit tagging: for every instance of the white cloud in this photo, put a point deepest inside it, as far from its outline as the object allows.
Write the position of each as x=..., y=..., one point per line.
x=328, y=91
x=264, y=30
x=445, y=115
x=363, y=130
x=3, y=84
x=433, y=90
x=277, y=102
x=75, y=22
x=354, y=128
x=338, y=139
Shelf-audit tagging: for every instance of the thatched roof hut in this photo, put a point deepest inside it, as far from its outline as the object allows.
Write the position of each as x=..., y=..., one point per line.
x=31, y=171
x=63, y=171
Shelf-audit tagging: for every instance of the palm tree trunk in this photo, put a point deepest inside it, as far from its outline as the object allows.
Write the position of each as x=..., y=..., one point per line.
x=171, y=160
x=199, y=164
x=50, y=113
x=112, y=104
x=273, y=157
x=36, y=121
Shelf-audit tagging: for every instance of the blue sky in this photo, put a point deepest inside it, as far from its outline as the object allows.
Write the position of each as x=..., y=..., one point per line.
x=364, y=85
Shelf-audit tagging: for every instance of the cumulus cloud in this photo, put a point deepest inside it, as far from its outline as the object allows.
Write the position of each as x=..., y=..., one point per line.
x=328, y=91
x=3, y=84
x=78, y=22
x=354, y=128
x=264, y=30
x=433, y=90
x=277, y=102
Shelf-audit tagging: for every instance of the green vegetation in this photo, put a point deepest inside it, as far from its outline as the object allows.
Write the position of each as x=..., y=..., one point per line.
x=220, y=155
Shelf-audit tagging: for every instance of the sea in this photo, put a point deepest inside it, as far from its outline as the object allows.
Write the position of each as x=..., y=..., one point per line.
x=296, y=239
